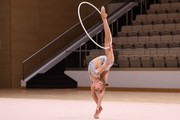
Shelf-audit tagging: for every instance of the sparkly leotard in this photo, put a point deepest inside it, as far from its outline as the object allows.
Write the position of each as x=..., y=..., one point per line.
x=93, y=70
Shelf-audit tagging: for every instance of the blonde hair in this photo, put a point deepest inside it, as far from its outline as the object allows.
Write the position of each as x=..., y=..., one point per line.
x=104, y=84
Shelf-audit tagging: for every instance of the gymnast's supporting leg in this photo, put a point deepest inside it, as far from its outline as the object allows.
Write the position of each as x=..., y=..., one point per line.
x=103, y=70
x=99, y=67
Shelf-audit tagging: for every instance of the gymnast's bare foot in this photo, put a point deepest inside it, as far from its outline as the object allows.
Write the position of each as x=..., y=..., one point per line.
x=96, y=114
x=103, y=13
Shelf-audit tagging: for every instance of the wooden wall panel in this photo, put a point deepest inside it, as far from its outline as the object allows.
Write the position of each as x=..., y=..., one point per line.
x=28, y=25
x=5, y=71
x=25, y=34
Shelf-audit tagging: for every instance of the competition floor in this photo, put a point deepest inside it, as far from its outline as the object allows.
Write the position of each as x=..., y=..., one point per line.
x=71, y=104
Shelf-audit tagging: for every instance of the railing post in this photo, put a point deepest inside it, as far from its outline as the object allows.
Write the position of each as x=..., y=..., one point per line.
x=145, y=5
x=117, y=27
x=85, y=49
x=141, y=6
x=102, y=37
x=80, y=56
x=96, y=40
x=126, y=18
x=23, y=71
x=66, y=59
x=112, y=27
x=131, y=15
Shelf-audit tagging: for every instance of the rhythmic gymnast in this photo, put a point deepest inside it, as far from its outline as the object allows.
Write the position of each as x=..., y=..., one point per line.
x=99, y=67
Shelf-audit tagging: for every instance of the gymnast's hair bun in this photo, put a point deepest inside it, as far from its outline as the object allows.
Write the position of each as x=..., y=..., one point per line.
x=106, y=84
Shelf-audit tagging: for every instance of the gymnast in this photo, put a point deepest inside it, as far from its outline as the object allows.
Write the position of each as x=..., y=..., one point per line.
x=99, y=67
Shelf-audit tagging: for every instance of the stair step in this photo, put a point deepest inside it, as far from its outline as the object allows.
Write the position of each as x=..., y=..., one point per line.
x=52, y=86
x=54, y=78
x=50, y=79
x=51, y=83
x=45, y=80
x=55, y=73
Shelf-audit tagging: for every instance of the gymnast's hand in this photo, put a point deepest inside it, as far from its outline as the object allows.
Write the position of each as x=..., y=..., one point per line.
x=97, y=74
x=96, y=114
x=100, y=109
x=110, y=46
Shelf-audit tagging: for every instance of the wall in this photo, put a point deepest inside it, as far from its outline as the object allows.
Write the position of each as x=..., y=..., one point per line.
x=5, y=54
x=25, y=34
x=28, y=25
x=133, y=79
x=113, y=6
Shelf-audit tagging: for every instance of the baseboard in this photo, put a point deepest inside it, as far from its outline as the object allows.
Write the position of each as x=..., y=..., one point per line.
x=23, y=87
x=136, y=89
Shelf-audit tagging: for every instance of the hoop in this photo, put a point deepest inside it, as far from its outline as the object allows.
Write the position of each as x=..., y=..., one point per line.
x=84, y=27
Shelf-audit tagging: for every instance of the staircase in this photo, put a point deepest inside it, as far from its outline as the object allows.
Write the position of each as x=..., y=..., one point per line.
x=54, y=78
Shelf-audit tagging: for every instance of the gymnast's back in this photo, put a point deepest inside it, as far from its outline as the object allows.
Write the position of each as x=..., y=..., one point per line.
x=99, y=61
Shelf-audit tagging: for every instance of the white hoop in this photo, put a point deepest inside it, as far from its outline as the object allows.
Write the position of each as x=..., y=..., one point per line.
x=84, y=27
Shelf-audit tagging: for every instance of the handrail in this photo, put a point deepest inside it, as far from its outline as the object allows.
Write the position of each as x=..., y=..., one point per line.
x=61, y=35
